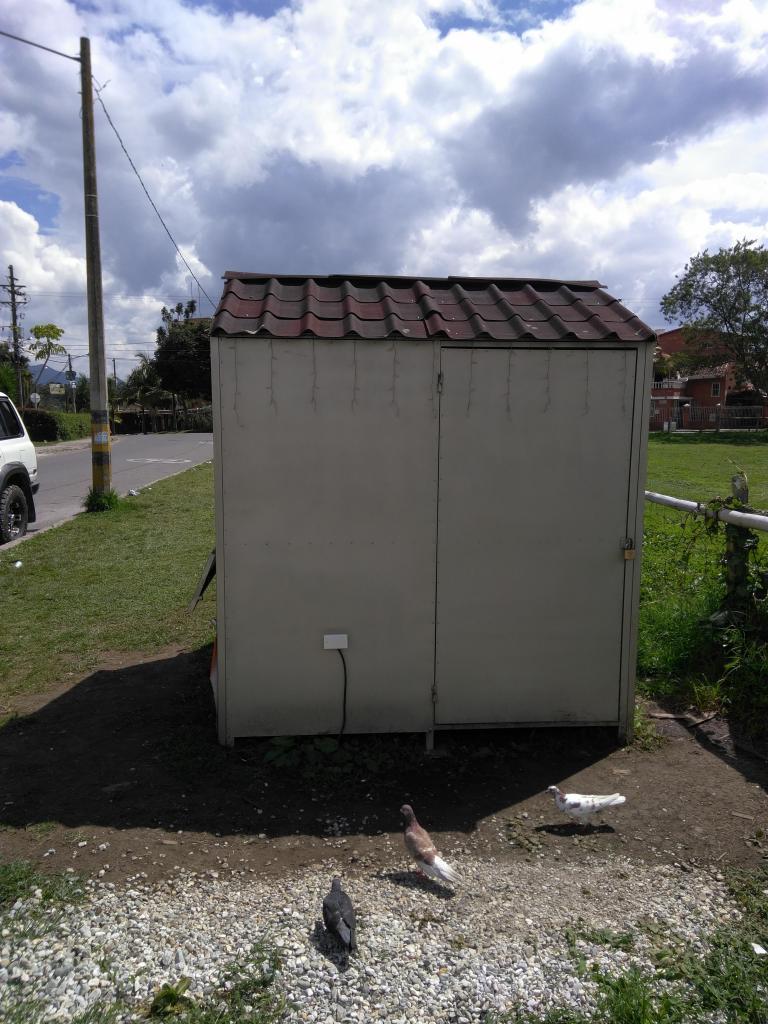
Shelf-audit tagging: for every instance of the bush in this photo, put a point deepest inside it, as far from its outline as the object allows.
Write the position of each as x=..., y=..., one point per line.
x=46, y=425
x=72, y=425
x=40, y=424
x=101, y=502
x=8, y=380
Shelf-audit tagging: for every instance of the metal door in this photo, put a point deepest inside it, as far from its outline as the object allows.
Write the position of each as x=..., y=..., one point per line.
x=534, y=464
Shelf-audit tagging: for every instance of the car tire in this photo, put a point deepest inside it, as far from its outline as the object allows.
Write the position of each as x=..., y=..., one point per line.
x=14, y=513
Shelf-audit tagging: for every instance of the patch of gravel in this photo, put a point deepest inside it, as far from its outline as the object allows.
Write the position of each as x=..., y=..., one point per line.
x=424, y=955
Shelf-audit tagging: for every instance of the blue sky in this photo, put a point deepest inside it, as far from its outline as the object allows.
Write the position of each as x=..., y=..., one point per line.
x=594, y=139
x=44, y=206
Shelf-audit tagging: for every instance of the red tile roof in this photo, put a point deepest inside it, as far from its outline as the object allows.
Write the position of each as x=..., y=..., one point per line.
x=457, y=308
x=711, y=372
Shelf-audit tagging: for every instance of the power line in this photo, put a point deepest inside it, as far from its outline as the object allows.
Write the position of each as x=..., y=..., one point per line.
x=39, y=46
x=149, y=197
x=98, y=89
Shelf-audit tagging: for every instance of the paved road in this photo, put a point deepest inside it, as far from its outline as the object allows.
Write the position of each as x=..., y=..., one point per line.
x=137, y=460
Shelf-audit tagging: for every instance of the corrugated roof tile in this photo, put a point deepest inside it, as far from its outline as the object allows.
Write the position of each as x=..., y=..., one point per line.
x=460, y=309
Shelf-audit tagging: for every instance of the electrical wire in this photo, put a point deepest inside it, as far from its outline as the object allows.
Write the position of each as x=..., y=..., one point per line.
x=344, y=701
x=39, y=46
x=149, y=197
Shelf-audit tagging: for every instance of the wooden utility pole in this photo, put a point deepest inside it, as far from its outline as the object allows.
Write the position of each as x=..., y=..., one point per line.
x=114, y=397
x=101, y=451
x=71, y=385
x=17, y=296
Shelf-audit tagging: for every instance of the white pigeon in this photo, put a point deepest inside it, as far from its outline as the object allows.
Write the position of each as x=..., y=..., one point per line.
x=580, y=806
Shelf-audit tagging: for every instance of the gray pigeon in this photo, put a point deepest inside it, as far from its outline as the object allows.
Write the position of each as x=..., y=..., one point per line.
x=339, y=915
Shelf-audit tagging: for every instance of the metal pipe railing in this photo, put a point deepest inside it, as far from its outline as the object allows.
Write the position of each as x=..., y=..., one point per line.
x=749, y=520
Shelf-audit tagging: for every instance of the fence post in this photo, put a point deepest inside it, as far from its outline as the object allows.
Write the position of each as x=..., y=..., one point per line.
x=738, y=543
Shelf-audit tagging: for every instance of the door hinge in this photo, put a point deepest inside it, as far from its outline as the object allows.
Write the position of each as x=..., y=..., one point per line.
x=440, y=383
x=434, y=693
x=628, y=546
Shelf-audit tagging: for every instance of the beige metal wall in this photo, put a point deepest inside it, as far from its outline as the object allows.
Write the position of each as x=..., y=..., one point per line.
x=327, y=522
x=535, y=455
x=327, y=516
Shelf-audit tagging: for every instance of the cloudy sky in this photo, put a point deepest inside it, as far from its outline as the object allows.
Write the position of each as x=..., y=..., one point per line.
x=608, y=139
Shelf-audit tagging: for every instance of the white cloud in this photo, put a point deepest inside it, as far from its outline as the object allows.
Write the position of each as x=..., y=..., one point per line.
x=613, y=140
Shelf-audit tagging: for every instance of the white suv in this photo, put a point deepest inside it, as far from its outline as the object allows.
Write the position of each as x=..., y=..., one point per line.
x=18, y=474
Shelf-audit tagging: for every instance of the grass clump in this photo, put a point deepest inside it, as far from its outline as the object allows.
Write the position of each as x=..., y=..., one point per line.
x=19, y=880
x=101, y=501
x=31, y=1011
x=646, y=736
x=249, y=996
x=609, y=938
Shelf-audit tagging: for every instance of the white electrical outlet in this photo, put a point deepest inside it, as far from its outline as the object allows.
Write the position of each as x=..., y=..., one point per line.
x=335, y=641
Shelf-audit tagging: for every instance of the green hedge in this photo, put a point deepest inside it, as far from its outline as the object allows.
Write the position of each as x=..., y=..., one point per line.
x=44, y=425
x=8, y=380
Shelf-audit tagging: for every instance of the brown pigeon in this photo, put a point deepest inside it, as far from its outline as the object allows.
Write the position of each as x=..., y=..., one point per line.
x=422, y=849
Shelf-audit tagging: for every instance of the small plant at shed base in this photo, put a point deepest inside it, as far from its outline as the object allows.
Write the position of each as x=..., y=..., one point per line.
x=98, y=502
x=647, y=736
x=170, y=999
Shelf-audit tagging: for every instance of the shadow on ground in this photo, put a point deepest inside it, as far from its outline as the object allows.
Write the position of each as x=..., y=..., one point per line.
x=135, y=747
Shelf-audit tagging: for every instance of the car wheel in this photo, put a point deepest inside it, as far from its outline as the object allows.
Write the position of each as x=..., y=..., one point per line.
x=14, y=513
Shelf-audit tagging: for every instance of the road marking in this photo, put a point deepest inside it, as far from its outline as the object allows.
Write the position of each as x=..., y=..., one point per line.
x=165, y=462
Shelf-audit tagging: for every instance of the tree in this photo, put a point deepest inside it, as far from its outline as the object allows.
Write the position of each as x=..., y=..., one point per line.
x=45, y=345
x=722, y=300
x=82, y=391
x=143, y=383
x=8, y=372
x=183, y=353
x=8, y=380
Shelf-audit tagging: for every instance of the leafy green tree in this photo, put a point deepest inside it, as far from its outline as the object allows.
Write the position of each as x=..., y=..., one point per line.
x=183, y=353
x=143, y=383
x=45, y=344
x=8, y=380
x=6, y=354
x=722, y=300
x=82, y=391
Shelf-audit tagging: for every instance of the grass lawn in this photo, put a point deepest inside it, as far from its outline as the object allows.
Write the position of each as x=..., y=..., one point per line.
x=700, y=466
x=110, y=581
x=682, y=575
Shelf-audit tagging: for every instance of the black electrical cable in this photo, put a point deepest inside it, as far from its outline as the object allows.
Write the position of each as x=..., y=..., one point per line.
x=344, y=703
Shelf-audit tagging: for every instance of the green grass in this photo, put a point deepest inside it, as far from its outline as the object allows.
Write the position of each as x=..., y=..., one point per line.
x=701, y=467
x=679, y=655
x=19, y=880
x=108, y=501
x=728, y=983
x=30, y=1011
x=118, y=581
x=248, y=995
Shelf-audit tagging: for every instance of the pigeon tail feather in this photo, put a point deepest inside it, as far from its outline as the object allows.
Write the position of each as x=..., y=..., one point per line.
x=344, y=932
x=440, y=869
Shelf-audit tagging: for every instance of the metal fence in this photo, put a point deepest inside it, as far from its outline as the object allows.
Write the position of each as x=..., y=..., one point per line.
x=704, y=417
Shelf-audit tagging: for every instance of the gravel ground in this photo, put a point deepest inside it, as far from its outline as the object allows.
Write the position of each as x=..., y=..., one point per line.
x=425, y=955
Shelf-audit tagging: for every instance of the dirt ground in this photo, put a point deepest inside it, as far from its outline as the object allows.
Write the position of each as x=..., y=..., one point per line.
x=119, y=773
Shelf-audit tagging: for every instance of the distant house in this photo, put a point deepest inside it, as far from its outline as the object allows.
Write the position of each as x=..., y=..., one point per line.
x=704, y=399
